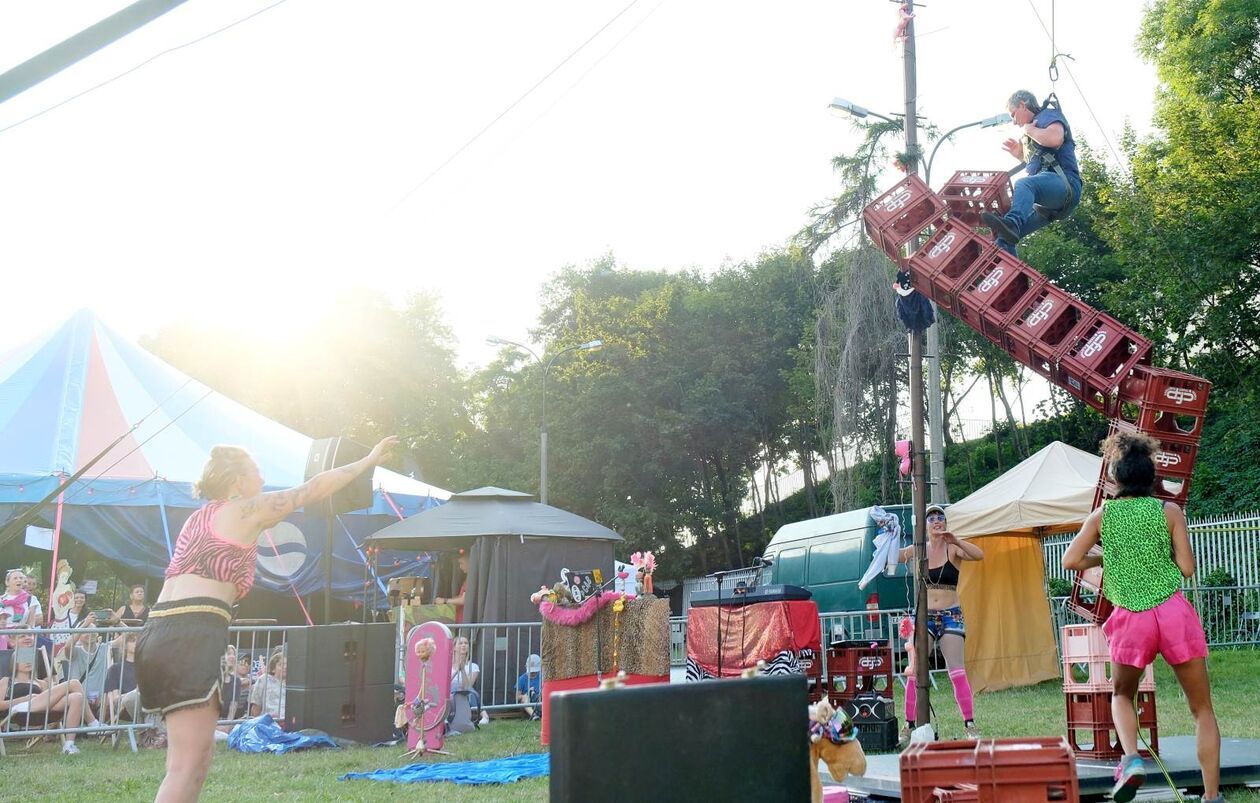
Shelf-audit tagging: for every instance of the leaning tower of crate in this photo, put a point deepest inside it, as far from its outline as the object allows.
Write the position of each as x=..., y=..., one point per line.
x=1105, y=364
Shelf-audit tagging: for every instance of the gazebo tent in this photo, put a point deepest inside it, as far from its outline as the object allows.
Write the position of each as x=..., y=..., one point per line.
x=516, y=546
x=66, y=396
x=1010, y=638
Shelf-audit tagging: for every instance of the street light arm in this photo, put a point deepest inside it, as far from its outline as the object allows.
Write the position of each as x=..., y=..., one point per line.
x=498, y=341
x=987, y=122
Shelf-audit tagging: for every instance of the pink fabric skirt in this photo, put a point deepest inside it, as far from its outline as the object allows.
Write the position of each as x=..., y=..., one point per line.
x=1171, y=629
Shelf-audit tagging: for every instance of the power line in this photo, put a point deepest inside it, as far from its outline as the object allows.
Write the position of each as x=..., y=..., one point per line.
x=144, y=63
x=510, y=107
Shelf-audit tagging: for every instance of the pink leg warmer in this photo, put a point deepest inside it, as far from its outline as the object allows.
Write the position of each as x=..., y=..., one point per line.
x=912, y=699
x=962, y=693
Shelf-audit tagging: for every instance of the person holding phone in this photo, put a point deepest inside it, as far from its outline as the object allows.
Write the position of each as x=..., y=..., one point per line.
x=180, y=649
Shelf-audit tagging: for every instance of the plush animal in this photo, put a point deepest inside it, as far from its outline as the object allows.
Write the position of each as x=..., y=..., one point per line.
x=832, y=739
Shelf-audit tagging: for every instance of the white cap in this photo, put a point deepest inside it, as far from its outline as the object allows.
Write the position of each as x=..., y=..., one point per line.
x=533, y=664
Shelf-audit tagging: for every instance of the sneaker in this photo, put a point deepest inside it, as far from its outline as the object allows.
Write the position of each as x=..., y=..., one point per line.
x=485, y=719
x=903, y=738
x=1130, y=774
x=973, y=733
x=1001, y=227
x=70, y=749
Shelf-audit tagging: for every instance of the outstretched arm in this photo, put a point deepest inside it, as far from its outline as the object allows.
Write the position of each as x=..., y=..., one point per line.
x=268, y=509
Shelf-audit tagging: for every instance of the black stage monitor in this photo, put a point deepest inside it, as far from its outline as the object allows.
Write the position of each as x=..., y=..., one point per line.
x=329, y=453
x=745, y=739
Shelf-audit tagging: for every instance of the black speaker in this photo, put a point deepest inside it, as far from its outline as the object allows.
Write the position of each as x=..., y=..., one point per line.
x=329, y=453
x=335, y=656
x=363, y=714
x=717, y=740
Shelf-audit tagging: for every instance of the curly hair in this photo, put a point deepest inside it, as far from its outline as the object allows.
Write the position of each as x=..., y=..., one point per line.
x=1130, y=456
x=226, y=463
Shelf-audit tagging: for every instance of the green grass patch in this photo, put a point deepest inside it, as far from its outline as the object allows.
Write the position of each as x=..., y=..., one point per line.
x=102, y=773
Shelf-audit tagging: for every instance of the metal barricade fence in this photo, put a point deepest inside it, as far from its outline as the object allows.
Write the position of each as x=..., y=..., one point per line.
x=500, y=651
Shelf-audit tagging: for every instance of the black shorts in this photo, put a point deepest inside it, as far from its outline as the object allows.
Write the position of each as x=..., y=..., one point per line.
x=179, y=654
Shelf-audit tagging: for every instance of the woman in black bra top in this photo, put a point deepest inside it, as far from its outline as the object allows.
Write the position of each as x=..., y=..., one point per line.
x=945, y=551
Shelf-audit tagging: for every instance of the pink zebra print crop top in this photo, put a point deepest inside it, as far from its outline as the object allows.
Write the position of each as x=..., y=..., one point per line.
x=203, y=552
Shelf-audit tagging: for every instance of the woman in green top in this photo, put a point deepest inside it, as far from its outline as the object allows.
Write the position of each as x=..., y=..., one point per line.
x=1145, y=554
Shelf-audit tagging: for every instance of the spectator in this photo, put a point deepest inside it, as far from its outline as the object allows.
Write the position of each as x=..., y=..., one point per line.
x=88, y=658
x=464, y=676
x=528, y=686
x=234, y=695
x=136, y=609
x=458, y=601
x=120, y=682
x=77, y=614
x=268, y=692
x=24, y=697
x=24, y=608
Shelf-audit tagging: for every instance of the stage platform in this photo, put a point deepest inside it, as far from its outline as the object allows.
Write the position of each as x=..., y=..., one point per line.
x=1240, y=765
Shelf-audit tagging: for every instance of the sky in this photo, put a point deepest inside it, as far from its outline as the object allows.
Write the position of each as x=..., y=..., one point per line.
x=257, y=174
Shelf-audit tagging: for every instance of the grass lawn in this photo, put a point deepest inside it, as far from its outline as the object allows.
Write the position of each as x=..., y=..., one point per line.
x=101, y=773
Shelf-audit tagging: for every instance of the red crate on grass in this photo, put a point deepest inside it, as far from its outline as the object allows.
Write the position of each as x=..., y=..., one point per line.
x=1025, y=770
x=944, y=263
x=995, y=292
x=1089, y=708
x=1166, y=389
x=968, y=193
x=1091, y=730
x=901, y=217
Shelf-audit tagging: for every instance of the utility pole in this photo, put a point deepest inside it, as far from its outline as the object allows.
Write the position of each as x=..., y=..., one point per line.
x=922, y=656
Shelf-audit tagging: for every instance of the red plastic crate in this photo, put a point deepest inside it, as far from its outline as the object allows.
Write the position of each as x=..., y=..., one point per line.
x=1092, y=708
x=1175, y=458
x=855, y=669
x=1170, y=426
x=968, y=193
x=1045, y=325
x=1083, y=642
x=1107, y=349
x=945, y=262
x=1165, y=389
x=994, y=292
x=902, y=216
x=1087, y=600
x=1003, y=770
x=962, y=793
x=1092, y=675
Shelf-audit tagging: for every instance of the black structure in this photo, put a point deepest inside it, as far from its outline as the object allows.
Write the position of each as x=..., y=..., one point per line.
x=340, y=680
x=737, y=740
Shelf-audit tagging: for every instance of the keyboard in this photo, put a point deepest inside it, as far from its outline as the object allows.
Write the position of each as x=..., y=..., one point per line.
x=742, y=595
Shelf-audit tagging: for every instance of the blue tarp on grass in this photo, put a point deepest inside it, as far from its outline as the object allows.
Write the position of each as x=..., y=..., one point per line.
x=498, y=770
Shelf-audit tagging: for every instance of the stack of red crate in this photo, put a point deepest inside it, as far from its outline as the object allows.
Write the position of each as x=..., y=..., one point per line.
x=1027, y=770
x=902, y=218
x=1087, y=600
x=857, y=667
x=968, y=193
x=1169, y=406
x=1087, y=687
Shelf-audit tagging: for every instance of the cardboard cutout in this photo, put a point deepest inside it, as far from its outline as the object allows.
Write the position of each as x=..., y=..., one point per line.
x=428, y=685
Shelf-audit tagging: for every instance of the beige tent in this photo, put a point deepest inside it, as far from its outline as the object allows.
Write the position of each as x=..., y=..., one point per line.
x=1010, y=640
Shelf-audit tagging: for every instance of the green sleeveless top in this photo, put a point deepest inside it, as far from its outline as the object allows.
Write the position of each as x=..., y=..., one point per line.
x=1138, y=569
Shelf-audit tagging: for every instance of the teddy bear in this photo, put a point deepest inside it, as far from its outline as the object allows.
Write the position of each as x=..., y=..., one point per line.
x=833, y=739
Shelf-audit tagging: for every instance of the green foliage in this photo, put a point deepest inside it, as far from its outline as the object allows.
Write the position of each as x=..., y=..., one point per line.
x=1058, y=587
x=1219, y=577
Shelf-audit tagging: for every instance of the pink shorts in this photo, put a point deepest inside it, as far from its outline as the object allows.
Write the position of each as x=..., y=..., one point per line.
x=1171, y=629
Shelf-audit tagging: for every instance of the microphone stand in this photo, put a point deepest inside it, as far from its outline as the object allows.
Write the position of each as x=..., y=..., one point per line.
x=718, y=576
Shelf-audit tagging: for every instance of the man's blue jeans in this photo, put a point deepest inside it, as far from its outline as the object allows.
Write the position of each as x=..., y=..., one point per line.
x=1045, y=189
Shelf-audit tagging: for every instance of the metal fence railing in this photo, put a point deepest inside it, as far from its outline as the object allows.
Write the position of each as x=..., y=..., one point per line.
x=501, y=651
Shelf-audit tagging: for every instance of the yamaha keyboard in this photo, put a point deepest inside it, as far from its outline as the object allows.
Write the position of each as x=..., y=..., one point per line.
x=743, y=595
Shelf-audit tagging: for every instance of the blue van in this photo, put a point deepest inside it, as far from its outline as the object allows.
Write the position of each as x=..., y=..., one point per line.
x=829, y=555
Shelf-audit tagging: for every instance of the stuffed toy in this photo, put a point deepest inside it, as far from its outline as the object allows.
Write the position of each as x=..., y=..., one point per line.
x=833, y=739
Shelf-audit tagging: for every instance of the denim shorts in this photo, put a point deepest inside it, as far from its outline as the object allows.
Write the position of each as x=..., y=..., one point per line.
x=947, y=621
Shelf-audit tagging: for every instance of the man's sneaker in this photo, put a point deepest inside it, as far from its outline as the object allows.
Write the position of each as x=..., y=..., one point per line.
x=973, y=733
x=1130, y=774
x=70, y=749
x=1001, y=227
x=485, y=718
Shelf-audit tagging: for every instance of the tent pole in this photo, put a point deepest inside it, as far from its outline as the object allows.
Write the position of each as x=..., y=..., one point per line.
x=52, y=583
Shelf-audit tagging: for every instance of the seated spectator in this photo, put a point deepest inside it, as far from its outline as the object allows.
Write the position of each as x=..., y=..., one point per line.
x=28, y=701
x=464, y=676
x=88, y=661
x=75, y=617
x=267, y=695
x=529, y=686
x=121, y=694
x=23, y=606
x=136, y=609
x=234, y=694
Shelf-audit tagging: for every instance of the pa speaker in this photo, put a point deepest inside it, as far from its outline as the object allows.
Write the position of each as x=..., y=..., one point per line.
x=335, y=656
x=361, y=714
x=717, y=740
x=329, y=453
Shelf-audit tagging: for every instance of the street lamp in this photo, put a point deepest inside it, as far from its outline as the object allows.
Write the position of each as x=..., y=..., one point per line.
x=988, y=122
x=591, y=345
x=860, y=112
